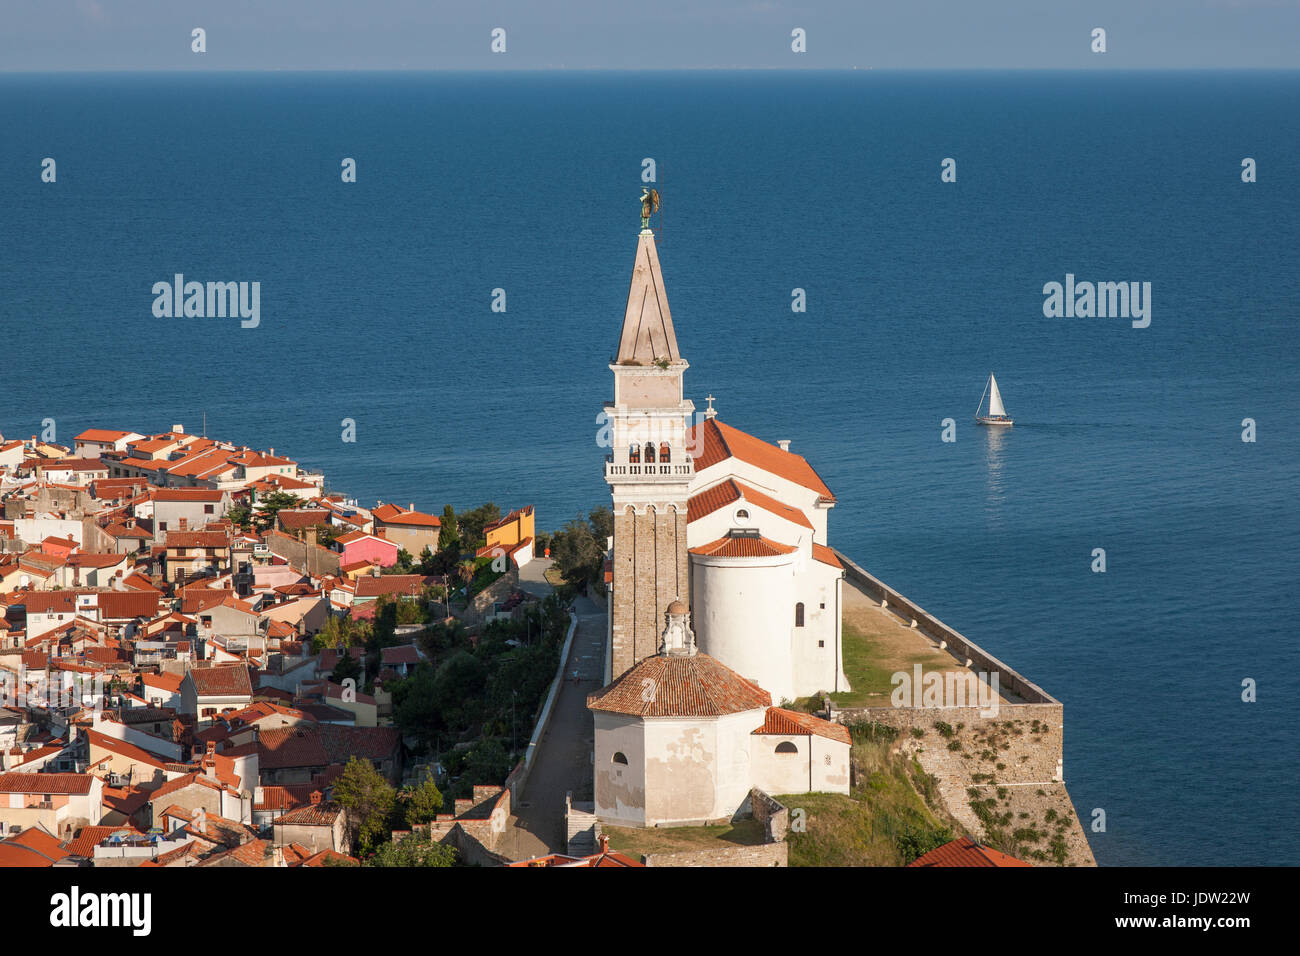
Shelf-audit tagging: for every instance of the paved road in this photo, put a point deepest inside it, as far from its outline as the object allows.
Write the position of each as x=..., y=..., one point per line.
x=562, y=762
x=532, y=577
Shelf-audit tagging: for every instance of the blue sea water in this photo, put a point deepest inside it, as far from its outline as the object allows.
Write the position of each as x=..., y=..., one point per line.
x=376, y=306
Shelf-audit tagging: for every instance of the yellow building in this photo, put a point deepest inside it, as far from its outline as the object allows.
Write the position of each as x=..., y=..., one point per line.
x=510, y=531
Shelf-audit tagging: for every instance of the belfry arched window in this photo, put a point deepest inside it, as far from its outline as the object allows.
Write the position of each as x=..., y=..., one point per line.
x=649, y=453
x=620, y=757
x=634, y=454
x=665, y=453
x=798, y=614
x=785, y=747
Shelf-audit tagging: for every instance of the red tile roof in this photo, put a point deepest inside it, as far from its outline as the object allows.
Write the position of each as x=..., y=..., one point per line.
x=391, y=514
x=696, y=686
x=725, y=492
x=197, y=539
x=742, y=546
x=225, y=680
x=370, y=586
x=791, y=723
x=966, y=852
x=722, y=441
x=64, y=783
x=826, y=556
x=122, y=605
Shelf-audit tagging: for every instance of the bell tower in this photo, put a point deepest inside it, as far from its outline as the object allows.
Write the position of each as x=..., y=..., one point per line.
x=648, y=469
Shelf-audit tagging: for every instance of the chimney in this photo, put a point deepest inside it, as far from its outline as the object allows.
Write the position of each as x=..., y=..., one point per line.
x=315, y=798
x=271, y=452
x=178, y=429
x=603, y=840
x=411, y=506
x=784, y=444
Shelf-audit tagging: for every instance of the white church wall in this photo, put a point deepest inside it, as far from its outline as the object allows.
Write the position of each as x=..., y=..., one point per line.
x=830, y=765
x=620, y=789
x=780, y=772
x=743, y=612
x=815, y=648
x=697, y=768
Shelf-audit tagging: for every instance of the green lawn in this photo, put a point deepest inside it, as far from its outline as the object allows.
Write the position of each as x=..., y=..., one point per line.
x=637, y=842
x=885, y=822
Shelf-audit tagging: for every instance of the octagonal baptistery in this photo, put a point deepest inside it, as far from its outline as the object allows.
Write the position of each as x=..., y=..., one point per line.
x=672, y=741
x=743, y=587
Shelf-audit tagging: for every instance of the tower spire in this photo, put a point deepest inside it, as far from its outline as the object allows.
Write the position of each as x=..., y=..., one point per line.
x=648, y=335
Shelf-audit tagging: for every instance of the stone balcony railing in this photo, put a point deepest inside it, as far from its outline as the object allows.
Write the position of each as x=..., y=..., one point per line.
x=649, y=472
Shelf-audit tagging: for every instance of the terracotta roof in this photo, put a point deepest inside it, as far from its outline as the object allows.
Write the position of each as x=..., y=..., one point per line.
x=826, y=556
x=696, y=686
x=966, y=852
x=87, y=838
x=790, y=722
x=32, y=847
x=312, y=815
x=370, y=586
x=101, y=435
x=67, y=783
x=743, y=546
x=320, y=858
x=197, y=539
x=320, y=745
x=725, y=492
x=167, y=682
x=391, y=514
x=196, y=599
x=302, y=518
x=722, y=441
x=252, y=853
x=230, y=680
x=121, y=605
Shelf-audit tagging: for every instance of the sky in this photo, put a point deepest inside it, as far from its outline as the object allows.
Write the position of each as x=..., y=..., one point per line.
x=62, y=35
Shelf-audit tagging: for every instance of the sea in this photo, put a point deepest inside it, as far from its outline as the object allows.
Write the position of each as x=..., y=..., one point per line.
x=1177, y=665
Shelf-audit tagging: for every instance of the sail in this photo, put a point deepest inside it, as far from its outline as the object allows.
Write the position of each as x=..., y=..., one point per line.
x=995, y=399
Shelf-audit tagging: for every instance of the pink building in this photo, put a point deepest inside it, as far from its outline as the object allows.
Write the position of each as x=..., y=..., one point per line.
x=359, y=546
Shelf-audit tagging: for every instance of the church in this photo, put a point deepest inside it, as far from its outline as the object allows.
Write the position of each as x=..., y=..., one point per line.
x=724, y=597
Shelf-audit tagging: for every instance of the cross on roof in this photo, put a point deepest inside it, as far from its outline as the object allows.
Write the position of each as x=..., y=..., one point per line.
x=710, y=413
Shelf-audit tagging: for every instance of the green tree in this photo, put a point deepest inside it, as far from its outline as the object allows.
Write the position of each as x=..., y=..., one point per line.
x=367, y=799
x=427, y=563
x=488, y=763
x=449, y=536
x=416, y=849
x=415, y=706
x=601, y=521
x=347, y=666
x=404, y=564
x=268, y=506
x=240, y=515
x=422, y=802
x=473, y=522
x=577, y=554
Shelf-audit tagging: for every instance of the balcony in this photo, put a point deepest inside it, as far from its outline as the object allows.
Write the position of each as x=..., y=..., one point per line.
x=674, y=471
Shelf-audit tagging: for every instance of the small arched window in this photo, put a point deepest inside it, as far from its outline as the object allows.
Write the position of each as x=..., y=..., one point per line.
x=798, y=614
x=665, y=453
x=785, y=747
x=634, y=454
x=620, y=757
x=649, y=453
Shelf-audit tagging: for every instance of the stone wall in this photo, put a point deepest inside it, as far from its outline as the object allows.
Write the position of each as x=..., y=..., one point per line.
x=769, y=854
x=767, y=810
x=304, y=558
x=482, y=603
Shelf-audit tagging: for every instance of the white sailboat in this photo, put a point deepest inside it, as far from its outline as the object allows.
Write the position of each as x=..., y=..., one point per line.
x=997, y=414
